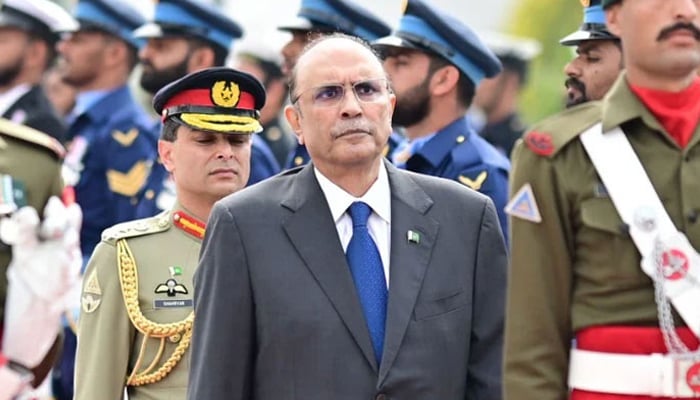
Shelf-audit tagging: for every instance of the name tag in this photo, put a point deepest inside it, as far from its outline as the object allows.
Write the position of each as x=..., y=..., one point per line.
x=172, y=303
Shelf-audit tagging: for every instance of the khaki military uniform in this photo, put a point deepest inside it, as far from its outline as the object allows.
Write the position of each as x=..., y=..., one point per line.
x=136, y=318
x=578, y=266
x=31, y=161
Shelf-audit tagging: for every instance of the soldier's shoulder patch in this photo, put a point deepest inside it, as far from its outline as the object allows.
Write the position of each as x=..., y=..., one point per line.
x=139, y=227
x=554, y=133
x=476, y=182
x=92, y=294
x=129, y=183
x=32, y=136
x=523, y=205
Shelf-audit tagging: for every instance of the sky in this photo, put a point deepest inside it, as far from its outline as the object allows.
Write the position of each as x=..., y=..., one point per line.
x=261, y=17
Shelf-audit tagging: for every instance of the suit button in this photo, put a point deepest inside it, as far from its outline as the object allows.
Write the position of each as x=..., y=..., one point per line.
x=381, y=396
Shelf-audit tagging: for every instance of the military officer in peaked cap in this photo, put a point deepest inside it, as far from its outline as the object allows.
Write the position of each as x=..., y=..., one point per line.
x=136, y=321
x=316, y=17
x=29, y=31
x=598, y=59
x=435, y=63
x=111, y=148
x=185, y=36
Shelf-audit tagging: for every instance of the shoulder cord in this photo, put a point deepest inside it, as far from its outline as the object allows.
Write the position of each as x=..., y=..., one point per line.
x=182, y=330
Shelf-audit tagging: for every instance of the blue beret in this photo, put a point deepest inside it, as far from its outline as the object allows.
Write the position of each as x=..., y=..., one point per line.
x=338, y=16
x=191, y=18
x=218, y=99
x=113, y=16
x=593, y=26
x=427, y=28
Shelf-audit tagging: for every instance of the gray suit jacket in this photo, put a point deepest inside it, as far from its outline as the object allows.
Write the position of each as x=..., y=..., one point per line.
x=278, y=318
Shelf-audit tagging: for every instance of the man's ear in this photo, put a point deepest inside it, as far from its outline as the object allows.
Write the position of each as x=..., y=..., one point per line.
x=165, y=154
x=293, y=115
x=200, y=58
x=444, y=80
x=612, y=19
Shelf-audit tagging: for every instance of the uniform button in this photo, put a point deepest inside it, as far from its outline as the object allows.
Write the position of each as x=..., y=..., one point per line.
x=693, y=216
x=381, y=396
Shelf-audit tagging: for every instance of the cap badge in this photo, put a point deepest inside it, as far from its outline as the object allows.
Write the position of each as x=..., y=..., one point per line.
x=586, y=3
x=404, y=6
x=225, y=94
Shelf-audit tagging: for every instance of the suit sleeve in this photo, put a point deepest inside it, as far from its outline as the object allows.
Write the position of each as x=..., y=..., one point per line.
x=104, y=334
x=486, y=342
x=223, y=342
x=538, y=332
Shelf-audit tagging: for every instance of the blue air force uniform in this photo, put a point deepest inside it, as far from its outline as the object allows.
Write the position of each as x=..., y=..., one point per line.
x=455, y=151
x=329, y=16
x=110, y=153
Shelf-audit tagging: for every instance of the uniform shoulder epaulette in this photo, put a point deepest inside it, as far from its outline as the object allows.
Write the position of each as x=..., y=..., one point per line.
x=552, y=134
x=31, y=135
x=139, y=227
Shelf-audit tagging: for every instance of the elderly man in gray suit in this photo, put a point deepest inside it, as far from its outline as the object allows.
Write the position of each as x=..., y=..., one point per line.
x=291, y=294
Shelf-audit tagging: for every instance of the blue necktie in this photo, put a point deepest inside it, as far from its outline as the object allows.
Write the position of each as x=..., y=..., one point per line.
x=368, y=274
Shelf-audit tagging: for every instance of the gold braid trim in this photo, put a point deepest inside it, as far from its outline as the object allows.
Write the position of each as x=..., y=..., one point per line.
x=129, y=280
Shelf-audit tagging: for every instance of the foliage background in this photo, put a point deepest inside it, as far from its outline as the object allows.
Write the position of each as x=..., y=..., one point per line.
x=547, y=21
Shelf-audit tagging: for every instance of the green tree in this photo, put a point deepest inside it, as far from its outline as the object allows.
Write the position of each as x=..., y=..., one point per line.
x=547, y=21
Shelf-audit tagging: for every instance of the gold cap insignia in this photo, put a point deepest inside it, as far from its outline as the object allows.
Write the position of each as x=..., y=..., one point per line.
x=404, y=5
x=585, y=3
x=225, y=94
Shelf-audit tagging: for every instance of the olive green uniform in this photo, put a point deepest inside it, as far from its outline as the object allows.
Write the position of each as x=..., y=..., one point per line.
x=138, y=287
x=578, y=267
x=33, y=160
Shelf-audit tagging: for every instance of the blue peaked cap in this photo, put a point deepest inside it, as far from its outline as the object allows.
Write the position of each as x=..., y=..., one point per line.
x=191, y=18
x=338, y=16
x=593, y=26
x=427, y=28
x=113, y=16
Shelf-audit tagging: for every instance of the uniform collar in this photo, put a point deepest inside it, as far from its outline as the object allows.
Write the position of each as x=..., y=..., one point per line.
x=620, y=105
x=442, y=143
x=186, y=222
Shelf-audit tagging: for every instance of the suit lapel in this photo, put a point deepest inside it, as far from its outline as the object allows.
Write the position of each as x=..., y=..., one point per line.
x=310, y=224
x=409, y=258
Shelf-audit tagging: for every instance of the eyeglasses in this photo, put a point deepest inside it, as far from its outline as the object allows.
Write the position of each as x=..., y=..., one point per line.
x=331, y=94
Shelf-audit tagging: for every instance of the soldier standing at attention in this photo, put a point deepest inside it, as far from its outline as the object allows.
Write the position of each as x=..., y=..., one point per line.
x=137, y=313
x=435, y=63
x=605, y=227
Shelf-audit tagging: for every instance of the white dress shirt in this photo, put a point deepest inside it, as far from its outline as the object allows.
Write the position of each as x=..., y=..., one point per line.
x=378, y=197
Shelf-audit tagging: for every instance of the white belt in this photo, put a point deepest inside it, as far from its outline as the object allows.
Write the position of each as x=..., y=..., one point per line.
x=656, y=375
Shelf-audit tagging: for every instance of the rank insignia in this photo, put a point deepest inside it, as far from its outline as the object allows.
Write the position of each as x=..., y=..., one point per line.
x=225, y=94
x=524, y=206
x=12, y=194
x=189, y=224
x=476, y=183
x=171, y=287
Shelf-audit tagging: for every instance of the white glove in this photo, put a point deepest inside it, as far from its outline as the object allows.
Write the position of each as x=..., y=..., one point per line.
x=46, y=262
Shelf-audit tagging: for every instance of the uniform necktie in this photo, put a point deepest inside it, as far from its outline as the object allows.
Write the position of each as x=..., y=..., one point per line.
x=368, y=275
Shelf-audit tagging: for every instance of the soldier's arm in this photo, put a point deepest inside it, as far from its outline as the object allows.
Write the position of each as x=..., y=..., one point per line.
x=538, y=333
x=129, y=156
x=105, y=333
